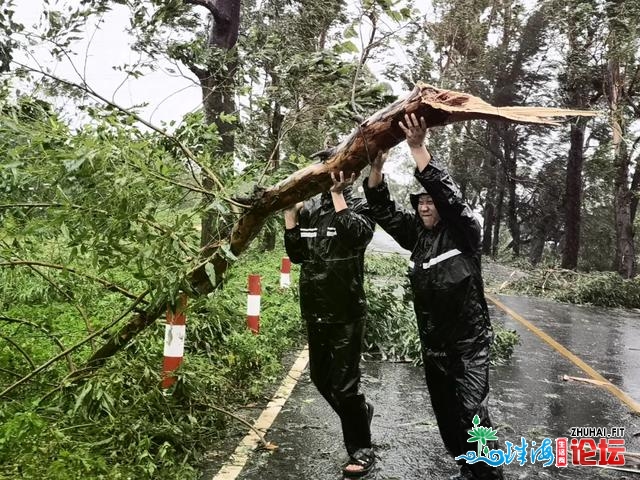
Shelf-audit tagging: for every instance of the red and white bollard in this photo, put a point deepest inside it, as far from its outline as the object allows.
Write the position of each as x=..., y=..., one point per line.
x=285, y=273
x=174, y=335
x=253, y=304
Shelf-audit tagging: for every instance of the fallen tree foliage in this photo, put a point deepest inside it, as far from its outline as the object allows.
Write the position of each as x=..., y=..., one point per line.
x=379, y=132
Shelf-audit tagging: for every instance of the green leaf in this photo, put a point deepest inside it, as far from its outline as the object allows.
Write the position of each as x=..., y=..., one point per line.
x=350, y=32
x=73, y=165
x=227, y=118
x=211, y=273
x=85, y=391
x=406, y=13
x=346, y=47
x=395, y=15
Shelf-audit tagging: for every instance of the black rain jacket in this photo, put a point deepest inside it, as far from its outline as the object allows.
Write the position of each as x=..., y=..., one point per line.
x=330, y=248
x=445, y=269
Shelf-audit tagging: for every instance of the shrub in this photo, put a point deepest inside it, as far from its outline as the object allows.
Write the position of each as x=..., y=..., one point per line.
x=392, y=329
x=605, y=289
x=118, y=424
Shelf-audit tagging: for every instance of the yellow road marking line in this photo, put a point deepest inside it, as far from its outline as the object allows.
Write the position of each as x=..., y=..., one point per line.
x=622, y=396
x=240, y=456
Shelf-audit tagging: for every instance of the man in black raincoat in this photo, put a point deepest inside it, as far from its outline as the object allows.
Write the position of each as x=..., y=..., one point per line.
x=328, y=235
x=453, y=320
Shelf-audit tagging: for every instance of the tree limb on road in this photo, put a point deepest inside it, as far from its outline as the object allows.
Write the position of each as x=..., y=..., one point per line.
x=378, y=133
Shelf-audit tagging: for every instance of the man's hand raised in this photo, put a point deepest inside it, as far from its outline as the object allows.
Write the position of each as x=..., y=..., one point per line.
x=340, y=183
x=414, y=130
x=291, y=215
x=375, y=176
x=339, y=186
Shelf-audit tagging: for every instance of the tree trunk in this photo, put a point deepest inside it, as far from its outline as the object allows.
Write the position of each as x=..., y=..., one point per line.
x=379, y=132
x=139, y=322
x=538, y=240
x=226, y=21
x=578, y=90
x=635, y=188
x=497, y=218
x=510, y=158
x=491, y=206
x=573, y=197
x=217, y=83
x=487, y=228
x=273, y=155
x=544, y=224
x=625, y=251
x=269, y=238
x=218, y=97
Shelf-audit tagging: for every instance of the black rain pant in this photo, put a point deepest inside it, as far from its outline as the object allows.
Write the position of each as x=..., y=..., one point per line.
x=334, y=365
x=459, y=389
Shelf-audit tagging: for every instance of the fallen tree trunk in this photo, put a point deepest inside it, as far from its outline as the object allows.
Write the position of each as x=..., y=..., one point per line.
x=378, y=133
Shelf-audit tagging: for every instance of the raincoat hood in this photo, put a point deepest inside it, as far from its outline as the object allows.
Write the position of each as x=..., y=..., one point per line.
x=415, y=197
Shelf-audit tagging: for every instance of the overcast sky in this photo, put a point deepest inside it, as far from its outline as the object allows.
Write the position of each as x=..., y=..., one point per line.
x=105, y=44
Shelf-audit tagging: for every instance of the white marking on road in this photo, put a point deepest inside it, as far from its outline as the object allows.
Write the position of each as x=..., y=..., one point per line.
x=232, y=468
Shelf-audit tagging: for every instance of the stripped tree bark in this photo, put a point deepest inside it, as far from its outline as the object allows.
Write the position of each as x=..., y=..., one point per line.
x=378, y=133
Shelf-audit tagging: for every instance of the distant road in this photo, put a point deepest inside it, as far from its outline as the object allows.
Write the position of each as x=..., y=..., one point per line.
x=382, y=242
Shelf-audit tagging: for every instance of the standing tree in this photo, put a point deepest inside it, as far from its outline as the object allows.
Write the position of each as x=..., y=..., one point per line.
x=545, y=208
x=621, y=78
x=581, y=25
x=217, y=75
x=523, y=39
x=492, y=50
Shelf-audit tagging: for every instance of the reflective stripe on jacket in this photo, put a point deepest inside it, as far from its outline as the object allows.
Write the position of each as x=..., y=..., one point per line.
x=330, y=248
x=446, y=277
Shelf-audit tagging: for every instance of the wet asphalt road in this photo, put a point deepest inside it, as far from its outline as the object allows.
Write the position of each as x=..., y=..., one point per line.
x=529, y=399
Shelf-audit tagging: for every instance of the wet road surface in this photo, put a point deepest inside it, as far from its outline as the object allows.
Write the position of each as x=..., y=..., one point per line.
x=529, y=398
x=382, y=242
x=607, y=339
